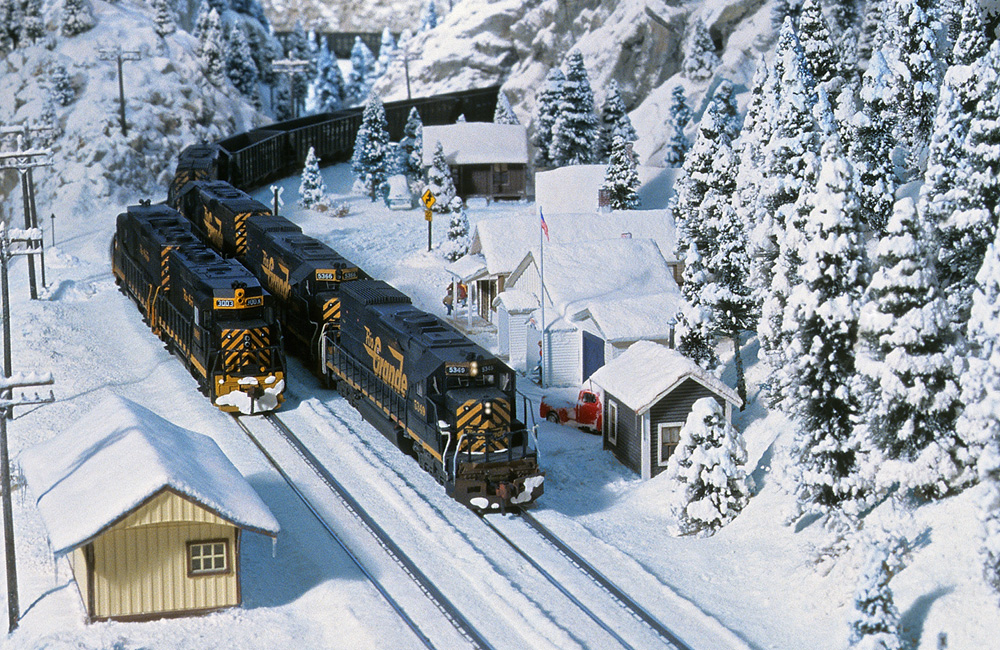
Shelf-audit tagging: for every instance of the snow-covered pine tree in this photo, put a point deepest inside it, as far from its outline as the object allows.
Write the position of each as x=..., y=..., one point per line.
x=917, y=52
x=457, y=243
x=707, y=471
x=700, y=57
x=821, y=359
x=546, y=110
x=240, y=66
x=504, y=112
x=868, y=32
x=907, y=361
x=311, y=189
x=297, y=47
x=843, y=15
x=872, y=142
x=328, y=87
x=971, y=43
x=283, y=99
x=201, y=21
x=166, y=21
x=783, y=9
x=614, y=121
x=49, y=120
x=680, y=115
x=33, y=27
x=361, y=77
x=373, y=153
x=60, y=85
x=440, y=182
x=76, y=17
x=411, y=147
x=210, y=53
x=576, y=130
x=428, y=17
x=621, y=179
x=386, y=52
x=822, y=55
x=875, y=622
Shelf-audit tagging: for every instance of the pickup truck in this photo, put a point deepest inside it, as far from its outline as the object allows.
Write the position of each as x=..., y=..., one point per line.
x=586, y=414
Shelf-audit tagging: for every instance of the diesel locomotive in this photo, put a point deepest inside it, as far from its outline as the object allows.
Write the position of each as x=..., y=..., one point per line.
x=211, y=312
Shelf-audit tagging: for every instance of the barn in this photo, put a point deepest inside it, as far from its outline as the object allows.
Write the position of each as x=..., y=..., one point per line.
x=648, y=393
x=149, y=514
x=486, y=159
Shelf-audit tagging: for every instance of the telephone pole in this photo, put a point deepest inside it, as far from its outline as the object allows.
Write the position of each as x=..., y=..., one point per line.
x=118, y=54
x=24, y=160
x=292, y=67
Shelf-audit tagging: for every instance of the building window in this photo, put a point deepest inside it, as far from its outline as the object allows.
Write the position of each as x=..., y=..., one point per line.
x=612, y=422
x=669, y=435
x=209, y=557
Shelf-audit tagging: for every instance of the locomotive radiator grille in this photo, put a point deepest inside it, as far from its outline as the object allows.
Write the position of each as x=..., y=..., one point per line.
x=244, y=348
x=476, y=415
x=331, y=311
x=240, y=226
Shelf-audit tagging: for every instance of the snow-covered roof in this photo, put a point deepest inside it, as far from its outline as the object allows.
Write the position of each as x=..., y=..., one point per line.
x=477, y=143
x=120, y=454
x=467, y=268
x=503, y=242
x=647, y=371
x=635, y=317
x=574, y=188
x=583, y=272
x=516, y=301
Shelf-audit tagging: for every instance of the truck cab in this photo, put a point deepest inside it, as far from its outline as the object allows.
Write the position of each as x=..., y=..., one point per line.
x=586, y=413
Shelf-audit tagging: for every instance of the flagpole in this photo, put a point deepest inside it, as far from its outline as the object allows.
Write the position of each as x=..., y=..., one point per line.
x=541, y=295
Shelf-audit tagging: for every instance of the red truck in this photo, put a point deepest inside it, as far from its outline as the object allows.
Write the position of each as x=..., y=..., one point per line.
x=587, y=414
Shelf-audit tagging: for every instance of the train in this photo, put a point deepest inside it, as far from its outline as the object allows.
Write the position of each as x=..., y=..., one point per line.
x=434, y=393
x=209, y=311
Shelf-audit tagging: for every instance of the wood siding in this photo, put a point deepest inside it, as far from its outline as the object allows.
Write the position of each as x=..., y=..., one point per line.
x=674, y=407
x=628, y=451
x=564, y=366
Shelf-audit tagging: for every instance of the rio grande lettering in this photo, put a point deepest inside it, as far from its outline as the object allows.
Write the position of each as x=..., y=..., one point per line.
x=383, y=368
x=277, y=280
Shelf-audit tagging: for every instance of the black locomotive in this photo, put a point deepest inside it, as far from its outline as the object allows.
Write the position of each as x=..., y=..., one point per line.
x=209, y=311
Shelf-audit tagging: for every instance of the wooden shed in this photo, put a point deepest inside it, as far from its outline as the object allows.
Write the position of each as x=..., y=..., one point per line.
x=149, y=514
x=486, y=159
x=648, y=393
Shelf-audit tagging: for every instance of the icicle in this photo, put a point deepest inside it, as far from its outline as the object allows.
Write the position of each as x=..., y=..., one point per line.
x=274, y=546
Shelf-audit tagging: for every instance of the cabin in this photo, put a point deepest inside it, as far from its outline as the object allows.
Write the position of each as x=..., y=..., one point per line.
x=150, y=515
x=648, y=393
x=486, y=160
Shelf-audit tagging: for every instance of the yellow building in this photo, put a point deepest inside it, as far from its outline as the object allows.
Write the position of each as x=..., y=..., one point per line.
x=149, y=514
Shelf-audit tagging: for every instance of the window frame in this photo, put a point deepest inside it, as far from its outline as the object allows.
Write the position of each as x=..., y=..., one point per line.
x=660, y=427
x=228, y=568
x=612, y=422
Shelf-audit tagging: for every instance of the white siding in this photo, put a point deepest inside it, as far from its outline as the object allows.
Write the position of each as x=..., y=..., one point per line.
x=565, y=366
x=518, y=341
x=503, y=332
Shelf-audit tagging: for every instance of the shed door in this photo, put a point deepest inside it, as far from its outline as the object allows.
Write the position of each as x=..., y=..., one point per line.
x=593, y=354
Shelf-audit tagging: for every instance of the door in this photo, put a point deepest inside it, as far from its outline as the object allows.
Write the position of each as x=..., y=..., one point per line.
x=593, y=354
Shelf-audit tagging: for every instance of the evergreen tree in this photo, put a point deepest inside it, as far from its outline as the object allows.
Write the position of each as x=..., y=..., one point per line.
x=680, y=115
x=440, y=182
x=76, y=17
x=166, y=21
x=614, y=122
x=843, y=15
x=700, y=57
x=297, y=48
x=970, y=42
x=909, y=358
x=822, y=57
x=504, y=112
x=868, y=36
x=49, y=120
x=576, y=130
x=824, y=308
x=707, y=471
x=875, y=623
x=457, y=243
x=33, y=27
x=916, y=45
x=621, y=179
x=872, y=142
x=61, y=85
x=546, y=110
x=372, y=152
x=411, y=147
x=311, y=189
x=386, y=52
x=240, y=66
x=10, y=25
x=783, y=10
x=202, y=19
x=429, y=17
x=210, y=53
x=328, y=87
x=361, y=78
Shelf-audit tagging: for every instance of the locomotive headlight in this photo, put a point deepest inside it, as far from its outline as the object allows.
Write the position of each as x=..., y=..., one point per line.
x=488, y=408
x=473, y=369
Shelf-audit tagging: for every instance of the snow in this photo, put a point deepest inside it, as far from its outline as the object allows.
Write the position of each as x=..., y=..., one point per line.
x=558, y=191
x=86, y=477
x=477, y=143
x=636, y=317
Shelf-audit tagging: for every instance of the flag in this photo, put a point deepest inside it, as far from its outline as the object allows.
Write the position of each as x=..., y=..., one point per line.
x=545, y=226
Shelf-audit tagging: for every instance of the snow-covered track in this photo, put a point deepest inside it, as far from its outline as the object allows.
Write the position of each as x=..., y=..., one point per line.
x=502, y=526
x=348, y=503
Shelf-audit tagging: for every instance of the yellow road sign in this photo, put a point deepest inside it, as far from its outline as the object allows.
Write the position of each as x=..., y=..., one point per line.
x=428, y=215
x=428, y=200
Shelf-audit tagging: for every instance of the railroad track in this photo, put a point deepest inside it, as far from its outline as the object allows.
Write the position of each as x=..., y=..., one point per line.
x=458, y=622
x=613, y=592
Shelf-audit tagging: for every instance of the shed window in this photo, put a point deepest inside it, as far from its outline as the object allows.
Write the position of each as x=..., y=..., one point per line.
x=209, y=557
x=612, y=422
x=669, y=434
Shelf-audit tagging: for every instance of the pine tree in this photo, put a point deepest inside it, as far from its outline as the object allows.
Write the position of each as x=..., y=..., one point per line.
x=868, y=36
x=49, y=120
x=614, y=122
x=240, y=66
x=311, y=189
x=970, y=42
x=440, y=182
x=783, y=10
x=875, y=623
x=386, y=52
x=821, y=52
x=166, y=21
x=916, y=44
x=429, y=17
x=824, y=308
x=76, y=18
x=297, y=48
x=576, y=130
x=33, y=27
x=372, y=152
x=361, y=78
x=909, y=357
x=504, y=112
x=328, y=87
x=202, y=19
x=10, y=25
x=457, y=243
x=707, y=471
x=210, y=52
x=621, y=179
x=872, y=142
x=546, y=110
x=61, y=85
x=680, y=115
x=700, y=57
x=411, y=147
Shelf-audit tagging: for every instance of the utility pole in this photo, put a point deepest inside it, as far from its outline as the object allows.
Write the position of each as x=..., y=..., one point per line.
x=292, y=67
x=118, y=54
x=24, y=160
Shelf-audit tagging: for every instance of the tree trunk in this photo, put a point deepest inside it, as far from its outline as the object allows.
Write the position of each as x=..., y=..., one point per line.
x=741, y=383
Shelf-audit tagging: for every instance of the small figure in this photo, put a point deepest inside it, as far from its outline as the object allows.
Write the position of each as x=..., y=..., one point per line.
x=449, y=299
x=463, y=293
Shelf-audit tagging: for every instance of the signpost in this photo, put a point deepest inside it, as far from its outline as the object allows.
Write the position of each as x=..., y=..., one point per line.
x=428, y=201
